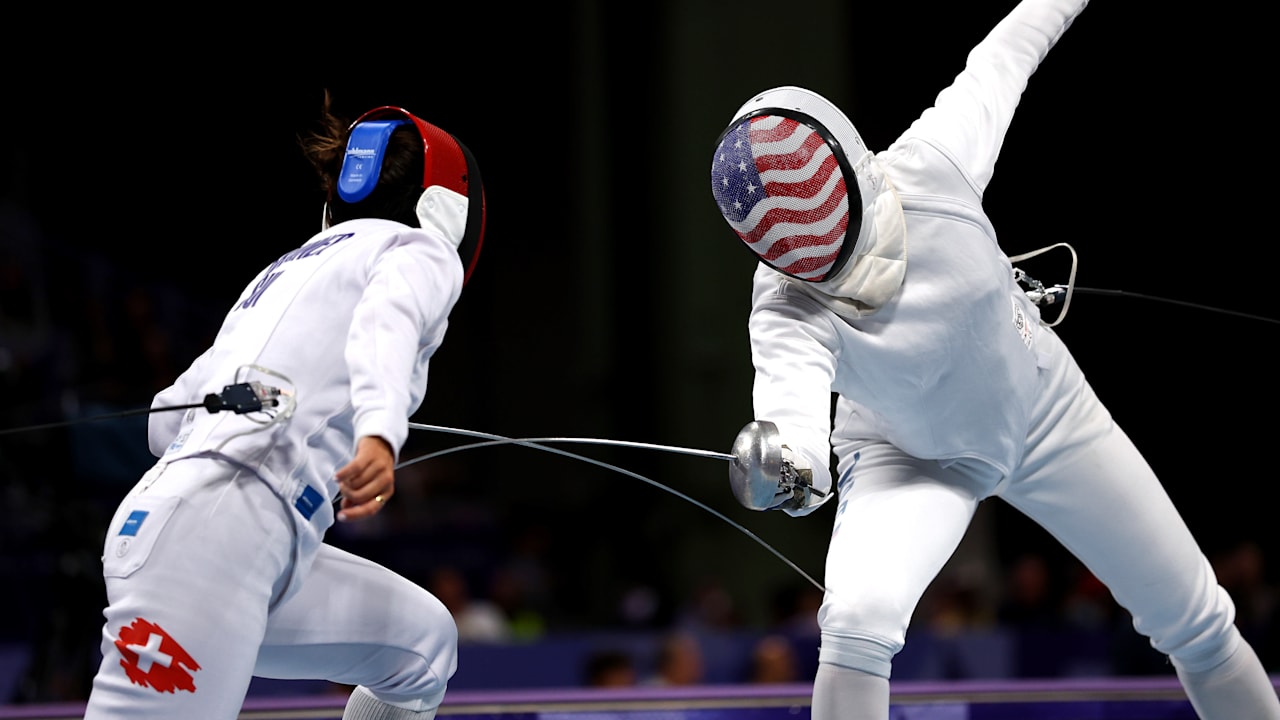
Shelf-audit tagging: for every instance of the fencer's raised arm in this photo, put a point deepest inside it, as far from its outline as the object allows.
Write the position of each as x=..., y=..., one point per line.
x=969, y=119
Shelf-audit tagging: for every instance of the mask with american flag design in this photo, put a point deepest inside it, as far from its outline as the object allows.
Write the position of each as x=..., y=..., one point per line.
x=785, y=177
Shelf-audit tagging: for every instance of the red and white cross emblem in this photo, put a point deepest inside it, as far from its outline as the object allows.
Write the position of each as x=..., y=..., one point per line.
x=152, y=658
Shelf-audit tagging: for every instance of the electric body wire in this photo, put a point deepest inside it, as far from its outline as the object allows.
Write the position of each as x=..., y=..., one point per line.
x=96, y=418
x=1184, y=303
x=1041, y=295
x=246, y=402
x=536, y=443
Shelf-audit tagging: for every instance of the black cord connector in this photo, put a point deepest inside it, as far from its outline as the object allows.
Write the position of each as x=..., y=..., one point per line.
x=242, y=398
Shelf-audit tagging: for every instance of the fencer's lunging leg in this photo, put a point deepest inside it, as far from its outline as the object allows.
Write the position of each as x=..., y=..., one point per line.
x=898, y=521
x=1105, y=504
x=362, y=705
x=1219, y=693
x=367, y=627
x=841, y=693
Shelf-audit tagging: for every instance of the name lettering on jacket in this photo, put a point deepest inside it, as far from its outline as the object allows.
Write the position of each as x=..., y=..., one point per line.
x=271, y=274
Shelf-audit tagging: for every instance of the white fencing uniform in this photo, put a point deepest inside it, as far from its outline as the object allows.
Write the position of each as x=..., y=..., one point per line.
x=949, y=389
x=215, y=564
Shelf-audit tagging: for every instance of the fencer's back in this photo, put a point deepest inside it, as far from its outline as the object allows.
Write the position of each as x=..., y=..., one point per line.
x=346, y=322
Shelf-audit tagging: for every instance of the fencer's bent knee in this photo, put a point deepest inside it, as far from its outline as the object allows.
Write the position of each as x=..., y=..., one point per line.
x=428, y=655
x=864, y=631
x=860, y=651
x=440, y=650
x=1205, y=639
x=1198, y=632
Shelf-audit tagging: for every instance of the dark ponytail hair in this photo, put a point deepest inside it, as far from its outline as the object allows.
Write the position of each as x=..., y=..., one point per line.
x=395, y=197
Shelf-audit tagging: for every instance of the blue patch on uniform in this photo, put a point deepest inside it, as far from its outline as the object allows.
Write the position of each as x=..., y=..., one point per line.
x=308, y=501
x=133, y=522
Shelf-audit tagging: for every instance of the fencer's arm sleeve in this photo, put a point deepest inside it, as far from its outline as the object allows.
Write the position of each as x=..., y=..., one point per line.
x=794, y=349
x=398, y=324
x=163, y=425
x=969, y=119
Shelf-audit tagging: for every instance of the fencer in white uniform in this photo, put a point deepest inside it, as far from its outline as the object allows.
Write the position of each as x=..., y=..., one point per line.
x=215, y=565
x=881, y=280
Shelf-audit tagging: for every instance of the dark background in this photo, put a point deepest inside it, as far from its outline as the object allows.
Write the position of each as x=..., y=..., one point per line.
x=148, y=174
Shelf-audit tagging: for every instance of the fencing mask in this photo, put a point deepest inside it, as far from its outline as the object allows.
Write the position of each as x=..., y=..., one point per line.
x=790, y=176
x=447, y=163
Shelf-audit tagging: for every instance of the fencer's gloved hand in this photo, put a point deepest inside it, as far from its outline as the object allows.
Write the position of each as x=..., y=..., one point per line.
x=765, y=474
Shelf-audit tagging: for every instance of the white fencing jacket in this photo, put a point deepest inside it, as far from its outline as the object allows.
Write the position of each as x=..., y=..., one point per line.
x=945, y=368
x=348, y=322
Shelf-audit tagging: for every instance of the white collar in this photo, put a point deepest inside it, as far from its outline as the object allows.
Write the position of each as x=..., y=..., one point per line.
x=875, y=271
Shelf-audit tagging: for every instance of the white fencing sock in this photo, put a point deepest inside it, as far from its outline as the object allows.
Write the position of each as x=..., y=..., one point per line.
x=841, y=693
x=1238, y=688
x=362, y=705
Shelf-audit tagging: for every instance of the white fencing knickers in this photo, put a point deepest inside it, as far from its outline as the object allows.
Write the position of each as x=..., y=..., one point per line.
x=193, y=559
x=900, y=519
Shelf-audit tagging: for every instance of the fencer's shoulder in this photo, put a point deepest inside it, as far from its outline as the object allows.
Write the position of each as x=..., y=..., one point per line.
x=920, y=166
x=774, y=292
x=914, y=154
x=768, y=283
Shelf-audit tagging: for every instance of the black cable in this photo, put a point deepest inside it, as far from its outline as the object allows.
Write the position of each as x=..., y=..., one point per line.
x=1122, y=293
x=240, y=398
x=95, y=418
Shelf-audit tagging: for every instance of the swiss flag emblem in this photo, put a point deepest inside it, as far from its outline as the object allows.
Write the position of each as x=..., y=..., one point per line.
x=151, y=658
